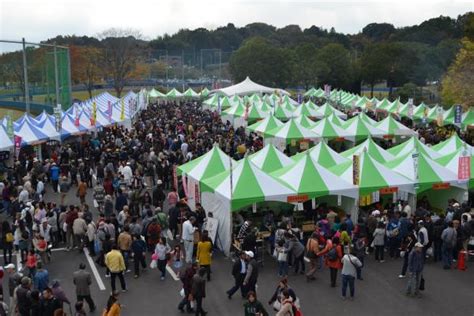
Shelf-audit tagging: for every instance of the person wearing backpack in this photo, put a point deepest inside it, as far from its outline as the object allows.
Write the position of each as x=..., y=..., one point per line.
x=449, y=239
x=350, y=264
x=333, y=252
x=287, y=306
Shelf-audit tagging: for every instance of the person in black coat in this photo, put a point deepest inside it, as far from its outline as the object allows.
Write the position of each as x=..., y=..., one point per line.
x=239, y=270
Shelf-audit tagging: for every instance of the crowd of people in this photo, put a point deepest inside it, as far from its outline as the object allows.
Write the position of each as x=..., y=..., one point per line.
x=139, y=220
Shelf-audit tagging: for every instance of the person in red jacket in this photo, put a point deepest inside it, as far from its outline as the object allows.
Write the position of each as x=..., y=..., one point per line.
x=333, y=252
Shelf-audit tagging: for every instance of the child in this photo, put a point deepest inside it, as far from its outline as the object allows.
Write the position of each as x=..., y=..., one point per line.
x=176, y=259
x=282, y=258
x=31, y=261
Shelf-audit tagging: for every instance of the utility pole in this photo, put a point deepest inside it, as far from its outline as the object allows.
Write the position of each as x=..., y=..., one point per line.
x=182, y=67
x=25, y=77
x=70, y=80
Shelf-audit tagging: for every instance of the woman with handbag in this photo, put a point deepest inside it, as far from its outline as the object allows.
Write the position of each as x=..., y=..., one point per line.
x=282, y=258
x=350, y=263
x=162, y=250
x=312, y=249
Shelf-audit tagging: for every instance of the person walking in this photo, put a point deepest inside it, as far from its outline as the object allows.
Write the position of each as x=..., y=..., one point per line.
x=187, y=280
x=188, y=238
x=312, y=249
x=253, y=307
x=162, y=251
x=296, y=248
x=333, y=252
x=124, y=242
x=204, y=253
x=449, y=240
x=7, y=242
x=116, y=265
x=198, y=291
x=407, y=246
x=239, y=271
x=379, y=242
x=139, y=253
x=350, y=264
x=14, y=279
x=82, y=280
x=415, y=268
x=251, y=276
x=79, y=228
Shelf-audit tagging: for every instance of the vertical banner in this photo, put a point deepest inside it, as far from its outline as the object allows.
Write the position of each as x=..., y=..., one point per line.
x=415, y=164
x=17, y=141
x=219, y=106
x=300, y=98
x=339, y=200
x=464, y=168
x=10, y=131
x=76, y=119
x=197, y=194
x=246, y=113
x=355, y=169
x=109, y=110
x=457, y=115
x=175, y=178
x=327, y=91
x=122, y=110
x=58, y=117
x=94, y=113
x=439, y=117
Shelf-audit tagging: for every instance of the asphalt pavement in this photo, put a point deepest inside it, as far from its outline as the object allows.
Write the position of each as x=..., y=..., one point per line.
x=380, y=293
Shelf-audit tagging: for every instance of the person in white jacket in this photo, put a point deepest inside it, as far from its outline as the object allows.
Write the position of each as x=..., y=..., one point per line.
x=350, y=263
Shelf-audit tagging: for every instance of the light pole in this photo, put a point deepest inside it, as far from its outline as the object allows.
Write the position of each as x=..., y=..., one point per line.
x=25, y=78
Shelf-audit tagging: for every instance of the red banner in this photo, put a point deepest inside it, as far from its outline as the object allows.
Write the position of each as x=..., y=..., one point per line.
x=388, y=190
x=197, y=195
x=297, y=198
x=17, y=141
x=464, y=168
x=441, y=186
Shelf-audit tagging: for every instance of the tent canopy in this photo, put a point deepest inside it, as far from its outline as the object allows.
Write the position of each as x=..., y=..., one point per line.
x=323, y=155
x=5, y=142
x=413, y=145
x=265, y=125
x=369, y=146
x=247, y=87
x=269, y=158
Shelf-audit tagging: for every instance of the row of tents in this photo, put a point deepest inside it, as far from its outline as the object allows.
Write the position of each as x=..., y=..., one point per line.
x=362, y=173
x=101, y=111
x=174, y=94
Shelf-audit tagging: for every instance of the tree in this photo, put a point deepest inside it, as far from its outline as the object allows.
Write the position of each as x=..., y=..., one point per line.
x=120, y=54
x=262, y=62
x=85, y=66
x=459, y=80
x=378, y=31
x=374, y=61
x=337, y=61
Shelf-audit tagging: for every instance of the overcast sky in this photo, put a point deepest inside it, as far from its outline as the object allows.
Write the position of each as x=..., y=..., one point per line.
x=38, y=20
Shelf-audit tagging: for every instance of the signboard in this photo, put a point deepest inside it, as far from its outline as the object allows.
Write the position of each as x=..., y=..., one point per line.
x=441, y=186
x=76, y=120
x=109, y=110
x=211, y=226
x=410, y=108
x=457, y=114
x=300, y=98
x=355, y=169
x=57, y=117
x=327, y=90
x=122, y=110
x=386, y=191
x=439, y=118
x=297, y=198
x=304, y=144
x=197, y=195
x=94, y=113
x=464, y=168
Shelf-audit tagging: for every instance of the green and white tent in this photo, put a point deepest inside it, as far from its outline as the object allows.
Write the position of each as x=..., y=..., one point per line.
x=269, y=159
x=326, y=109
x=390, y=126
x=174, y=94
x=395, y=106
x=311, y=92
x=433, y=113
x=311, y=105
x=428, y=172
x=236, y=99
x=190, y=94
x=448, y=116
x=420, y=111
x=367, y=119
x=468, y=118
x=357, y=127
x=413, y=145
x=336, y=120
x=255, y=112
x=204, y=93
x=362, y=102
x=250, y=185
x=265, y=125
x=281, y=113
x=266, y=107
x=255, y=98
x=323, y=155
x=451, y=161
x=373, y=175
x=237, y=110
x=451, y=145
x=369, y=146
x=305, y=109
x=383, y=105
x=307, y=177
x=208, y=165
x=291, y=130
x=329, y=130
x=213, y=102
x=156, y=94
x=305, y=121
x=287, y=105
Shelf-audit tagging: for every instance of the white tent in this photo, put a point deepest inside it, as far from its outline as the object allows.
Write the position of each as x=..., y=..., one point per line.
x=247, y=87
x=5, y=142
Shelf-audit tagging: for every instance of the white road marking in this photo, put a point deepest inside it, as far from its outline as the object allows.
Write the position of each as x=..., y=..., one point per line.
x=18, y=261
x=100, y=283
x=171, y=272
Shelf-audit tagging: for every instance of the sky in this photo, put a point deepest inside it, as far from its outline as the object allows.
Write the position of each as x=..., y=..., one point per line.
x=37, y=20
